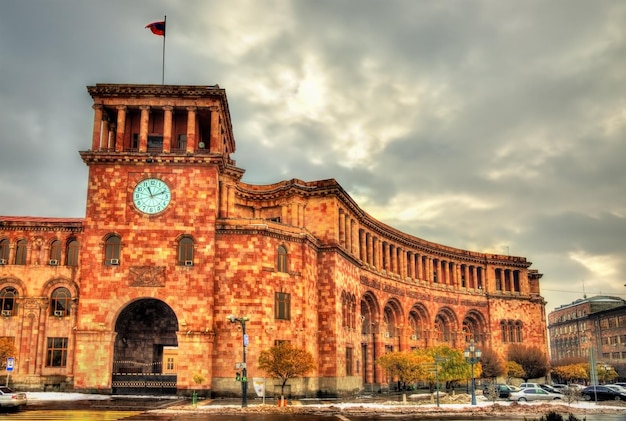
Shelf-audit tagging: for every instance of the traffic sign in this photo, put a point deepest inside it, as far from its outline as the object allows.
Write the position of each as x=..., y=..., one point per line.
x=10, y=363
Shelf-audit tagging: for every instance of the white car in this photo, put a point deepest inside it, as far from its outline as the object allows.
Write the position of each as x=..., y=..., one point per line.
x=11, y=399
x=533, y=394
x=527, y=385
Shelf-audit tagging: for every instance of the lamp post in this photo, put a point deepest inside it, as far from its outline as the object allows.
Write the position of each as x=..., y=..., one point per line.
x=472, y=356
x=244, y=370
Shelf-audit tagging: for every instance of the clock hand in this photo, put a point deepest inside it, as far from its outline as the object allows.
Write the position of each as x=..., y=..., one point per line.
x=150, y=192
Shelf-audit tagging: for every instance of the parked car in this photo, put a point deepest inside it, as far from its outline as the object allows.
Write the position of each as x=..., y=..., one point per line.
x=533, y=394
x=527, y=385
x=504, y=390
x=603, y=393
x=550, y=389
x=616, y=387
x=559, y=386
x=11, y=399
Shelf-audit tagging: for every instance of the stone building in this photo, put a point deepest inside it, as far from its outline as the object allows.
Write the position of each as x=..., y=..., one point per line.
x=596, y=324
x=134, y=297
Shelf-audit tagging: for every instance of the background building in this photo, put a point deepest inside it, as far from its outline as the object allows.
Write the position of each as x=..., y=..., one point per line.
x=134, y=297
x=596, y=324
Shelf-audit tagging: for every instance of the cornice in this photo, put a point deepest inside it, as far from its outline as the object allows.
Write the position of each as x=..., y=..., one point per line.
x=125, y=90
x=149, y=158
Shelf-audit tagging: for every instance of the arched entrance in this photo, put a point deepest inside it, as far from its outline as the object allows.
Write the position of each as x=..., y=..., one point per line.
x=145, y=352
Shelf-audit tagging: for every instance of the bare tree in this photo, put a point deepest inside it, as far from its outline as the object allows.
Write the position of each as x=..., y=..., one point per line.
x=492, y=364
x=533, y=360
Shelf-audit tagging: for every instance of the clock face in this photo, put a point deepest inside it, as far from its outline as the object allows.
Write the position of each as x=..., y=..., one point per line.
x=151, y=196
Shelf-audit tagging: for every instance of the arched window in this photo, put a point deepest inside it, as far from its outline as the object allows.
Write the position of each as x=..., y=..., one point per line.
x=8, y=296
x=55, y=252
x=185, y=251
x=20, y=252
x=518, y=331
x=71, y=255
x=503, y=330
x=4, y=250
x=281, y=263
x=352, y=311
x=467, y=332
x=60, y=302
x=112, y=250
x=344, y=310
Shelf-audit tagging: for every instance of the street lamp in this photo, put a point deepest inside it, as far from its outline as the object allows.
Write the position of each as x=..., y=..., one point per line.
x=244, y=370
x=472, y=356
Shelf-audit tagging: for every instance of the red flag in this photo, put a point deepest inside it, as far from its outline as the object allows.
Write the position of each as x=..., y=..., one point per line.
x=157, y=28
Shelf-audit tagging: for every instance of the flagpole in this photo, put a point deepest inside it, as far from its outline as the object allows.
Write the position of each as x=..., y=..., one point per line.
x=163, y=60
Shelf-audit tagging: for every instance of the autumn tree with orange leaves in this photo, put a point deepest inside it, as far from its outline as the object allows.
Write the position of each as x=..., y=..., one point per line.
x=284, y=362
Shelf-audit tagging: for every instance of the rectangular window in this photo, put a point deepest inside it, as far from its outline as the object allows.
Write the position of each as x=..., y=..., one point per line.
x=282, y=306
x=182, y=142
x=155, y=141
x=349, y=362
x=56, y=354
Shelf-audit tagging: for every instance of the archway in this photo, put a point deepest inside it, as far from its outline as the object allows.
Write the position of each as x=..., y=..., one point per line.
x=144, y=356
x=474, y=327
x=419, y=323
x=370, y=347
x=445, y=328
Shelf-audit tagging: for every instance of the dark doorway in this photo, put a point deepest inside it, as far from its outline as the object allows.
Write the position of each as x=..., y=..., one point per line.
x=145, y=329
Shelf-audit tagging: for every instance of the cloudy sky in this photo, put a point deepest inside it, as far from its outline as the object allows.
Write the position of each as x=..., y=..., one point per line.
x=496, y=126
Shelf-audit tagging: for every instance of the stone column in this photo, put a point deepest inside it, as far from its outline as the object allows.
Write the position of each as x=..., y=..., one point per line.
x=121, y=127
x=411, y=264
x=167, y=128
x=472, y=275
x=223, y=200
x=376, y=252
x=368, y=240
x=362, y=245
x=191, y=129
x=143, y=128
x=342, y=228
x=215, y=146
x=96, y=139
x=420, y=267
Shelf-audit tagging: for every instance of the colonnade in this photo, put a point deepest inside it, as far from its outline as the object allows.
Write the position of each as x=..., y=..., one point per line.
x=111, y=123
x=388, y=257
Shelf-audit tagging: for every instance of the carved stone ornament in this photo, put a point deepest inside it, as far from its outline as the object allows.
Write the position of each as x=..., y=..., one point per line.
x=147, y=276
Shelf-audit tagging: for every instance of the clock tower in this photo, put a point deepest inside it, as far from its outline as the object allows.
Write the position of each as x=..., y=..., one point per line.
x=160, y=174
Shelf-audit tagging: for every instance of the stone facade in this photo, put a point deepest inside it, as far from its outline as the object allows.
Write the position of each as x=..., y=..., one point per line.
x=104, y=302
